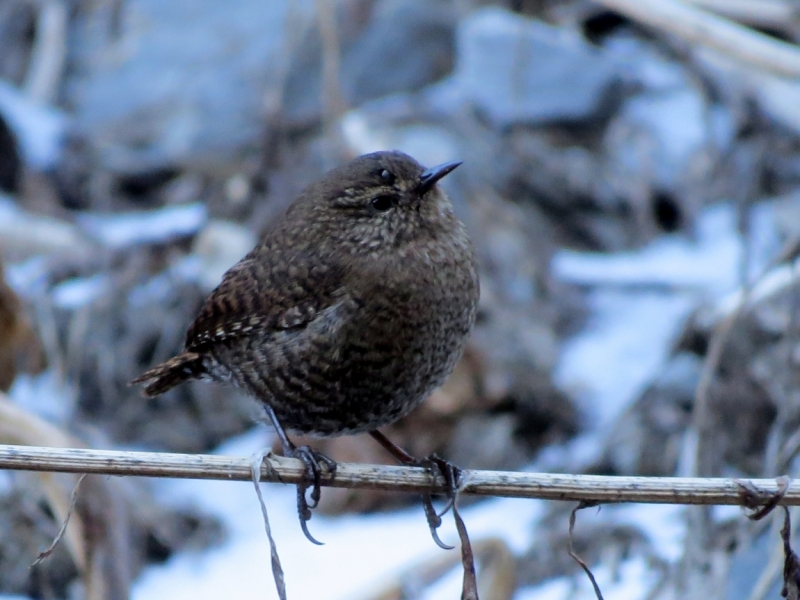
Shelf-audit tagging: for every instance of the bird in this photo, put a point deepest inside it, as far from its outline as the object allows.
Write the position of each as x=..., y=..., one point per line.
x=354, y=306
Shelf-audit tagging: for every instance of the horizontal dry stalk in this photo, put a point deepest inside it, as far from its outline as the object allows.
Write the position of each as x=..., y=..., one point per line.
x=588, y=488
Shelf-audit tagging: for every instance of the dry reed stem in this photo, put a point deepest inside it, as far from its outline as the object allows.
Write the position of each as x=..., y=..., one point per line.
x=586, y=488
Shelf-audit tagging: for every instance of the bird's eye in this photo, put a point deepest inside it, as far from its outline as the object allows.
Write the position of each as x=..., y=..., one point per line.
x=387, y=177
x=382, y=203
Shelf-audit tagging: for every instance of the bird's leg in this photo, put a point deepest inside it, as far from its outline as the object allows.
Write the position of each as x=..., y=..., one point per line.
x=312, y=460
x=450, y=472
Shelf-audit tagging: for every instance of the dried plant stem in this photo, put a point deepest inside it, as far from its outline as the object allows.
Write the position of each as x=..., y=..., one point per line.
x=698, y=26
x=333, y=104
x=587, y=488
x=49, y=52
x=773, y=13
x=73, y=502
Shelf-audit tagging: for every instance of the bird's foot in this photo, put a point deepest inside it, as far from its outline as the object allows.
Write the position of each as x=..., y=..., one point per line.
x=434, y=464
x=451, y=474
x=314, y=462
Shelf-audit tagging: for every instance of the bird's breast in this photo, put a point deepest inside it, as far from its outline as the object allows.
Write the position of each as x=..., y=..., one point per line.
x=421, y=296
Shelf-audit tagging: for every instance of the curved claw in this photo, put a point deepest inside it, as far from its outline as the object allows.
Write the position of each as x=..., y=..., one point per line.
x=437, y=540
x=304, y=513
x=434, y=521
x=451, y=475
x=309, y=537
x=313, y=474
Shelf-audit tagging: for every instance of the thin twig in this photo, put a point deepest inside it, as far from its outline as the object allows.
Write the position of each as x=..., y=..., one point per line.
x=594, y=488
x=702, y=420
x=701, y=27
x=49, y=52
x=776, y=276
x=73, y=502
x=574, y=555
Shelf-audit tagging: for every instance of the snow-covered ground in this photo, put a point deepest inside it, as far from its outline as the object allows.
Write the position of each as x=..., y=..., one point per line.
x=620, y=350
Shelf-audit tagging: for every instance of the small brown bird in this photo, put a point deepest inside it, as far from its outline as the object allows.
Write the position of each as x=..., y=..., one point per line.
x=352, y=309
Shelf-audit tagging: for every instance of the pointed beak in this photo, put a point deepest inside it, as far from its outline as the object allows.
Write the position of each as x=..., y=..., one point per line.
x=430, y=176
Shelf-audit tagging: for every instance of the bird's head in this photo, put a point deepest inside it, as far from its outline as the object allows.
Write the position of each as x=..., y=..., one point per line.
x=378, y=202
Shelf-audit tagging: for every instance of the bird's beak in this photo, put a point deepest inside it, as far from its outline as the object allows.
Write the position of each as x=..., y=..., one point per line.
x=430, y=176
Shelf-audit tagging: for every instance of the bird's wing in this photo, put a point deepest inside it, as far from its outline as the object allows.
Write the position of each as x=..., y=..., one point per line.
x=259, y=296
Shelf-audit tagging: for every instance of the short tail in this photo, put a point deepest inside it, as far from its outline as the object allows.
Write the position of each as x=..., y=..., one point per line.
x=175, y=371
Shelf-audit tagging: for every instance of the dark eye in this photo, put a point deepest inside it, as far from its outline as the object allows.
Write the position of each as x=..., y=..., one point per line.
x=387, y=177
x=382, y=203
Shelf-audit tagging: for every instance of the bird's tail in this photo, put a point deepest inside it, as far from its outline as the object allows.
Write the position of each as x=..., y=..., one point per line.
x=164, y=377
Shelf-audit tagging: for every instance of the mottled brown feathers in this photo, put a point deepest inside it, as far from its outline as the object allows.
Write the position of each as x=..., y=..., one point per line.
x=352, y=309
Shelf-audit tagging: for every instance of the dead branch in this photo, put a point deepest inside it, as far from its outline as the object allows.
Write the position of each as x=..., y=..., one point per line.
x=763, y=13
x=49, y=52
x=587, y=488
x=698, y=26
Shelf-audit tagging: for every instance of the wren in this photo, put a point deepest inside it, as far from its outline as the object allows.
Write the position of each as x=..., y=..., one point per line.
x=352, y=309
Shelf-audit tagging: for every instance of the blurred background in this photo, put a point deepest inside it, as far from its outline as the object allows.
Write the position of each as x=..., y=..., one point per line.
x=634, y=198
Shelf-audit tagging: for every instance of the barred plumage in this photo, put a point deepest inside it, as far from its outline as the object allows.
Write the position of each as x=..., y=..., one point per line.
x=356, y=304
x=346, y=316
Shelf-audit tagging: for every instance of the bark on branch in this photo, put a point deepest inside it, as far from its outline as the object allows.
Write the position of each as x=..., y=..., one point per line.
x=587, y=488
